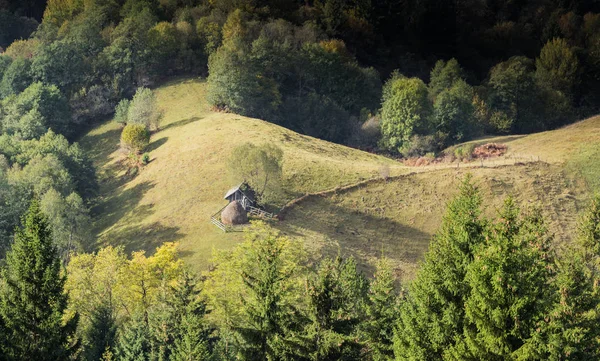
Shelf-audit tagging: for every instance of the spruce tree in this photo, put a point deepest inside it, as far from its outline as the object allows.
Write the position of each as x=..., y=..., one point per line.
x=32, y=299
x=335, y=299
x=571, y=331
x=432, y=317
x=134, y=341
x=511, y=290
x=381, y=311
x=193, y=335
x=270, y=320
x=101, y=333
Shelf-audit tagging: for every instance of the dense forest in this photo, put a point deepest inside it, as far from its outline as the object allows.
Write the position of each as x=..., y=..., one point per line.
x=406, y=78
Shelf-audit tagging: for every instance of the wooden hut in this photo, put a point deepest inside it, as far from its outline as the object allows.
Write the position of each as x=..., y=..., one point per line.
x=242, y=194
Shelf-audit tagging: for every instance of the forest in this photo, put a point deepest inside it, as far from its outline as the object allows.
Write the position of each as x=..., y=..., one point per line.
x=403, y=78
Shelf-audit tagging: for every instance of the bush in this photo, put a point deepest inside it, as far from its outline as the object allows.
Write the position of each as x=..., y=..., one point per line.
x=145, y=158
x=135, y=137
x=464, y=152
x=419, y=145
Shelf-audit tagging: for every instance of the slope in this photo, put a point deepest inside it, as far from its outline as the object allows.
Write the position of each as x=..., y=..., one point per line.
x=173, y=197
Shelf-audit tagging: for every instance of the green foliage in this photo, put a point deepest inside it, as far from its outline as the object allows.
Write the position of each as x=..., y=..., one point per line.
x=135, y=137
x=405, y=111
x=381, y=312
x=101, y=334
x=134, y=341
x=60, y=63
x=258, y=166
x=121, y=111
x=512, y=88
x=510, y=287
x=464, y=152
x=30, y=113
x=69, y=220
x=143, y=109
x=191, y=341
x=557, y=67
x=145, y=158
x=32, y=298
x=453, y=112
x=336, y=294
x=254, y=294
x=285, y=75
x=444, y=75
x=433, y=316
x=16, y=77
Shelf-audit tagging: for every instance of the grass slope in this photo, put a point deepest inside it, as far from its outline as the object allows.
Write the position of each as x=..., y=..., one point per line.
x=173, y=197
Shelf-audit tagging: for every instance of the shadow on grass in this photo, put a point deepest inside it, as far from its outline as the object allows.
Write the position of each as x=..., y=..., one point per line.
x=122, y=224
x=141, y=237
x=156, y=144
x=181, y=123
x=349, y=232
x=103, y=145
x=120, y=204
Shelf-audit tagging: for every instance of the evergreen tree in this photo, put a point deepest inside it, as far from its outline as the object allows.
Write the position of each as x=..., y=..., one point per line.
x=336, y=297
x=101, y=333
x=381, y=312
x=270, y=321
x=192, y=339
x=433, y=316
x=32, y=300
x=571, y=331
x=134, y=341
x=511, y=290
x=192, y=344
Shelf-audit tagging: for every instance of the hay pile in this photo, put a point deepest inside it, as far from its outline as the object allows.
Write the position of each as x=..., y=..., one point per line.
x=234, y=214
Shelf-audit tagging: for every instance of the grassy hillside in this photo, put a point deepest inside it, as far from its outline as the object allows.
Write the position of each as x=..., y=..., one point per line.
x=173, y=197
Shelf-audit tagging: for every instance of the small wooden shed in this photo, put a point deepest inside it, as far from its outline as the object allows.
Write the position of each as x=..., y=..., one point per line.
x=243, y=194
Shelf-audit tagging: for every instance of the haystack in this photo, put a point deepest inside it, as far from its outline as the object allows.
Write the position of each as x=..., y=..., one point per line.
x=234, y=214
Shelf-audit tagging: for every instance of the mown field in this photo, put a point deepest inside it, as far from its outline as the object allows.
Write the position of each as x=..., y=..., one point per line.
x=172, y=198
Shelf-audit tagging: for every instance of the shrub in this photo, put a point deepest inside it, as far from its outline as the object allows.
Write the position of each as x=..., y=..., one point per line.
x=135, y=137
x=419, y=145
x=464, y=152
x=145, y=158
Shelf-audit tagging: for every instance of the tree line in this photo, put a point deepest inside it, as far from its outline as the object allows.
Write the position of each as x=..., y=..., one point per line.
x=316, y=67
x=488, y=289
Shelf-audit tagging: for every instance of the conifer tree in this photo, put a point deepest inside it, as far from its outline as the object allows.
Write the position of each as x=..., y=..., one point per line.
x=101, y=333
x=381, y=311
x=511, y=290
x=192, y=338
x=134, y=341
x=269, y=319
x=32, y=300
x=571, y=331
x=433, y=315
x=335, y=299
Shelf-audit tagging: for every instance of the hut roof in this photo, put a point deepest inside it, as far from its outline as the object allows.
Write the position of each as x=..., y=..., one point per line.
x=233, y=190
